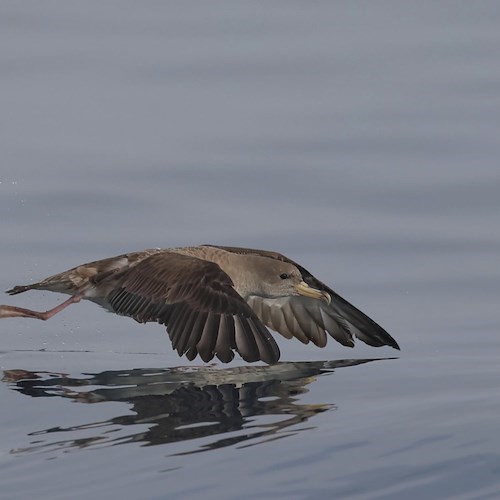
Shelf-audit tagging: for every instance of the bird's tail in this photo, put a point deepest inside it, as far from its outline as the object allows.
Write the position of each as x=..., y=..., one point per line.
x=61, y=283
x=23, y=288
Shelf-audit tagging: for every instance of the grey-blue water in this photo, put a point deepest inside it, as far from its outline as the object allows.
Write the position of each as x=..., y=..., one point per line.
x=361, y=139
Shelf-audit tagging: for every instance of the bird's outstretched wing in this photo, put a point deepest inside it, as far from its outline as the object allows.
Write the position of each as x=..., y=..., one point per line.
x=196, y=301
x=308, y=319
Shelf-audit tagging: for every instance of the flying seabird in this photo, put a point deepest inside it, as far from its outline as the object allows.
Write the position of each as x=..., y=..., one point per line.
x=214, y=300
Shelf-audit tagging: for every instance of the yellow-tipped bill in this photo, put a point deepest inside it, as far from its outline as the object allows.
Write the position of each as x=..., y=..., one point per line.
x=304, y=289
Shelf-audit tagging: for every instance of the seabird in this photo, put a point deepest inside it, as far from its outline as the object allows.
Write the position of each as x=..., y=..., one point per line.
x=214, y=300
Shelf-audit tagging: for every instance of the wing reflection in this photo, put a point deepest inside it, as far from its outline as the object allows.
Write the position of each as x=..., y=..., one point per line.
x=250, y=403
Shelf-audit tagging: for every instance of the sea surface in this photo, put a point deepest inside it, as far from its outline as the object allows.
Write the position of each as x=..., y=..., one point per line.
x=361, y=139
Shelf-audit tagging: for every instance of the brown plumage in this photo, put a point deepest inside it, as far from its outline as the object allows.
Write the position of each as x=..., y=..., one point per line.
x=214, y=300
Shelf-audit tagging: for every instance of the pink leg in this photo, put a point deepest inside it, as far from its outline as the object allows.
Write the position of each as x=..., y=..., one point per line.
x=15, y=312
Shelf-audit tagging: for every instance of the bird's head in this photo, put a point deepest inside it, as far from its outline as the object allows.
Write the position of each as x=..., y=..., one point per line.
x=282, y=279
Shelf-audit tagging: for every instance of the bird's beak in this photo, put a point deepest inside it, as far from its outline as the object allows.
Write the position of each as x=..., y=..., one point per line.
x=304, y=289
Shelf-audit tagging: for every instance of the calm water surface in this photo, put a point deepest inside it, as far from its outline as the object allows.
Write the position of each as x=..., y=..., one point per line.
x=358, y=139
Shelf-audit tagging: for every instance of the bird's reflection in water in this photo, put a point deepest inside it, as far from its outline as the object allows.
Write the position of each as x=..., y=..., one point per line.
x=234, y=405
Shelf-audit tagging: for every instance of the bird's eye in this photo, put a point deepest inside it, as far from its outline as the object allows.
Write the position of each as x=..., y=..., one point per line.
x=284, y=276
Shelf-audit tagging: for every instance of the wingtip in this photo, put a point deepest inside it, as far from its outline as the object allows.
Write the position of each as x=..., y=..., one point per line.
x=390, y=341
x=387, y=340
